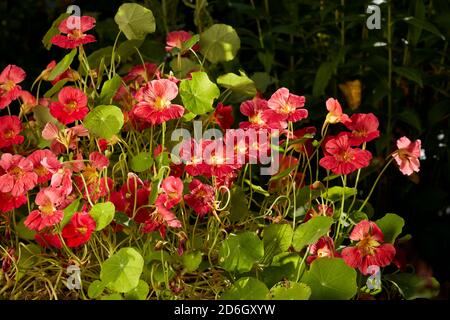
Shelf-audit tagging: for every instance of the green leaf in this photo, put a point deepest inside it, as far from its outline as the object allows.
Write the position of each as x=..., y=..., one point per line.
x=23, y=231
x=391, y=225
x=104, y=121
x=198, y=93
x=191, y=260
x=141, y=162
x=181, y=67
x=191, y=42
x=53, y=31
x=135, y=21
x=128, y=48
x=63, y=65
x=410, y=74
x=412, y=286
x=109, y=89
x=247, y=288
x=331, y=279
x=121, y=271
x=306, y=195
x=95, y=289
x=112, y=296
x=288, y=290
x=138, y=293
x=56, y=87
x=219, y=43
x=69, y=211
x=284, y=266
x=238, y=205
x=322, y=79
x=262, y=80
x=335, y=194
x=410, y=117
x=311, y=231
x=238, y=83
x=277, y=238
x=240, y=252
x=28, y=257
x=424, y=25
x=103, y=214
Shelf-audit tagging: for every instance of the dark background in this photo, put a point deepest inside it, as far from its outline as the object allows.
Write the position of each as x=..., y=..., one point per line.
x=297, y=43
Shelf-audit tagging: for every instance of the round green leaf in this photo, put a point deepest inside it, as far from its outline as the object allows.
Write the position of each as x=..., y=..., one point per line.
x=288, y=290
x=219, y=43
x=141, y=162
x=247, y=288
x=238, y=83
x=121, y=271
x=112, y=296
x=238, y=205
x=192, y=260
x=198, y=93
x=391, y=225
x=95, y=289
x=138, y=293
x=277, y=238
x=284, y=266
x=411, y=286
x=311, y=231
x=335, y=194
x=104, y=121
x=103, y=214
x=135, y=21
x=240, y=252
x=331, y=279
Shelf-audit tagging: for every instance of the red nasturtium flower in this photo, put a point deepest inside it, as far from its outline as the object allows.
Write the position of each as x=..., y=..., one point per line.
x=176, y=39
x=9, y=88
x=369, y=249
x=18, y=176
x=47, y=240
x=9, y=202
x=10, y=127
x=335, y=114
x=260, y=116
x=73, y=36
x=154, y=102
x=340, y=158
x=364, y=128
x=407, y=155
x=223, y=116
x=201, y=198
x=323, y=248
x=141, y=73
x=173, y=189
x=289, y=105
x=48, y=200
x=71, y=105
x=79, y=229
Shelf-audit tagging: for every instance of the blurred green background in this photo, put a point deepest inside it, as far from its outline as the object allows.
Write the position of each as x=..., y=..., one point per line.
x=319, y=49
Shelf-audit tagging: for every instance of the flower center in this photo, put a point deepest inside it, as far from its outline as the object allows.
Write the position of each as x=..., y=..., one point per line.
x=70, y=107
x=47, y=208
x=367, y=245
x=76, y=34
x=82, y=230
x=345, y=156
x=8, y=85
x=161, y=103
x=17, y=172
x=323, y=252
x=9, y=134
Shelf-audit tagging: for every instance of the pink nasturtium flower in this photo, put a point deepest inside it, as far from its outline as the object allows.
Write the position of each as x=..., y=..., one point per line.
x=155, y=102
x=335, y=114
x=173, y=189
x=176, y=39
x=369, y=249
x=260, y=116
x=407, y=155
x=10, y=77
x=323, y=248
x=72, y=36
x=340, y=158
x=289, y=105
x=48, y=200
x=71, y=105
x=45, y=164
x=18, y=176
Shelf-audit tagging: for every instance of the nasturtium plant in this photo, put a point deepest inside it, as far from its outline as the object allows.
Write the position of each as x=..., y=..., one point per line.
x=311, y=231
x=247, y=288
x=103, y=214
x=288, y=290
x=141, y=162
x=277, y=238
x=238, y=83
x=391, y=225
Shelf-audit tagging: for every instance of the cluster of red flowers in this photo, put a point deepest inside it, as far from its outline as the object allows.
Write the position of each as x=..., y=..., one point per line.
x=146, y=100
